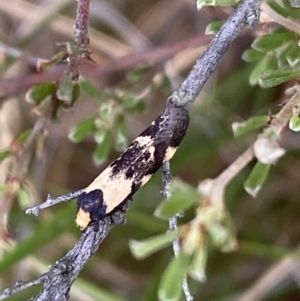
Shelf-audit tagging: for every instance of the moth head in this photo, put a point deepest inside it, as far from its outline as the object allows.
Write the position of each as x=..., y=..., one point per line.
x=91, y=208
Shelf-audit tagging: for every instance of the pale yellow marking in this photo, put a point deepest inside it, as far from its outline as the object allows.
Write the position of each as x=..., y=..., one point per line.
x=145, y=179
x=144, y=140
x=115, y=189
x=170, y=151
x=82, y=219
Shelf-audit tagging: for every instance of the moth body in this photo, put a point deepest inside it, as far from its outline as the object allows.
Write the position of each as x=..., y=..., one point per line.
x=134, y=168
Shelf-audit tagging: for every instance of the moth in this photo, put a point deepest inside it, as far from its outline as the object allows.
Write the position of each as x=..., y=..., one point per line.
x=136, y=165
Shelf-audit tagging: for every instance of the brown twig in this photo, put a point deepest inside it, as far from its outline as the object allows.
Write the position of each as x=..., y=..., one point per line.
x=14, y=86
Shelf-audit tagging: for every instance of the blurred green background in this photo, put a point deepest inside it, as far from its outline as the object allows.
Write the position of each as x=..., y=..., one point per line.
x=266, y=227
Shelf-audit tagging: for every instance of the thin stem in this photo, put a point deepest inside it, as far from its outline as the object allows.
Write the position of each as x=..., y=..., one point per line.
x=82, y=23
x=247, y=12
x=173, y=226
x=51, y=201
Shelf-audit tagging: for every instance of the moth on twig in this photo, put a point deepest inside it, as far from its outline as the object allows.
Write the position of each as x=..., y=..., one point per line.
x=126, y=175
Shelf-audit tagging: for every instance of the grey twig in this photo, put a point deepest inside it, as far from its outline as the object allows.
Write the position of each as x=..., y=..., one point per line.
x=82, y=23
x=60, y=277
x=58, y=280
x=247, y=12
x=20, y=286
x=53, y=201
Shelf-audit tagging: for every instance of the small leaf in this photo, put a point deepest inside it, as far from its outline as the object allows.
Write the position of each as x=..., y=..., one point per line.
x=100, y=135
x=106, y=112
x=101, y=153
x=198, y=265
x=121, y=135
x=293, y=56
x=294, y=123
x=170, y=287
x=267, y=63
x=130, y=101
x=39, y=92
x=213, y=27
x=268, y=42
x=253, y=123
x=5, y=153
x=278, y=8
x=24, y=198
x=267, y=151
x=256, y=178
x=64, y=91
x=145, y=248
x=80, y=131
x=91, y=90
x=43, y=65
x=22, y=138
x=183, y=197
x=273, y=78
x=251, y=55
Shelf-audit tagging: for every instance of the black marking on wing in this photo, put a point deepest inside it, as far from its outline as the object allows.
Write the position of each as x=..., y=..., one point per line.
x=140, y=160
x=92, y=202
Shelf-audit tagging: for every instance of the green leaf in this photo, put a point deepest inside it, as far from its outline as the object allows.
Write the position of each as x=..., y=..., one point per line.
x=278, y=8
x=182, y=197
x=121, y=142
x=91, y=90
x=80, y=131
x=253, y=123
x=268, y=42
x=5, y=153
x=273, y=78
x=130, y=101
x=281, y=55
x=213, y=27
x=76, y=93
x=203, y=3
x=43, y=65
x=100, y=135
x=170, y=287
x=294, y=123
x=64, y=91
x=198, y=265
x=293, y=55
x=251, y=55
x=24, y=198
x=24, y=136
x=142, y=249
x=106, y=112
x=101, y=153
x=268, y=62
x=256, y=178
x=39, y=92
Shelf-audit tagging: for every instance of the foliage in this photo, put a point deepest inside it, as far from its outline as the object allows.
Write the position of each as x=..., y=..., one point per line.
x=109, y=110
